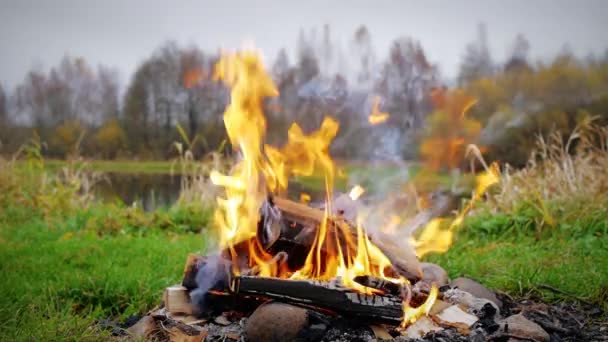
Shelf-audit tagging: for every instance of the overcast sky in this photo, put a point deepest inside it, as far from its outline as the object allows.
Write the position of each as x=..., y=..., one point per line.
x=121, y=33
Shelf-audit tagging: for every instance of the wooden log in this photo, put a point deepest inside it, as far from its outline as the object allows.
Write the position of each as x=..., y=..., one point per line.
x=177, y=300
x=301, y=222
x=380, y=284
x=328, y=296
x=190, y=269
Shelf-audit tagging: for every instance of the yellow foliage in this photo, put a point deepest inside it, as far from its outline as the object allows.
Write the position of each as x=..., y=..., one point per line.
x=67, y=136
x=110, y=138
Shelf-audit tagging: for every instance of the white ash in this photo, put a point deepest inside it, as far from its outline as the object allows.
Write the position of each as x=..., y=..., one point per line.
x=473, y=304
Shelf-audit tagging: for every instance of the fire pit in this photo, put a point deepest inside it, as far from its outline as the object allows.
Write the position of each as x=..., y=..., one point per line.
x=289, y=271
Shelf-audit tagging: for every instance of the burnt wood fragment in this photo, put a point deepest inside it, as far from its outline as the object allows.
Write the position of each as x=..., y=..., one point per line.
x=327, y=296
x=383, y=285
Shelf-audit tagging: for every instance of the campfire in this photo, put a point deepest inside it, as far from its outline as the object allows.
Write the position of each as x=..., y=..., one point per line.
x=333, y=270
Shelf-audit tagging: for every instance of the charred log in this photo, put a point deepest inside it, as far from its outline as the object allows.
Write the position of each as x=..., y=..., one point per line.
x=327, y=296
x=380, y=284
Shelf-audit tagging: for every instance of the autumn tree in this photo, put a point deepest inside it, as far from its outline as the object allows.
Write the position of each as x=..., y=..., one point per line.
x=363, y=53
x=3, y=118
x=519, y=56
x=66, y=102
x=136, y=111
x=3, y=108
x=174, y=86
x=477, y=62
x=110, y=139
x=405, y=82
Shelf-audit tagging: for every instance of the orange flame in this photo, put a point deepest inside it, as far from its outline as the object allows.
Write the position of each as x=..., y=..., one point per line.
x=265, y=169
x=449, y=129
x=410, y=314
x=338, y=249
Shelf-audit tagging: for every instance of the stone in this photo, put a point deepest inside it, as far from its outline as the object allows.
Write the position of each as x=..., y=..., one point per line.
x=475, y=305
x=276, y=322
x=434, y=274
x=476, y=289
x=519, y=327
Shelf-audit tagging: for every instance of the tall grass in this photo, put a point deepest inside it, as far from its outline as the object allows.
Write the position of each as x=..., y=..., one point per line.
x=67, y=189
x=564, y=178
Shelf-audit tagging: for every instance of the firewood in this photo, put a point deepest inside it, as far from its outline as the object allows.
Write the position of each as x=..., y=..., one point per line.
x=307, y=221
x=144, y=328
x=177, y=300
x=190, y=269
x=421, y=327
x=380, y=284
x=326, y=296
x=454, y=316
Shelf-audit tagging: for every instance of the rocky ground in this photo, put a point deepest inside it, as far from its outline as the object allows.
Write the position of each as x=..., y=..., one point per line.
x=487, y=316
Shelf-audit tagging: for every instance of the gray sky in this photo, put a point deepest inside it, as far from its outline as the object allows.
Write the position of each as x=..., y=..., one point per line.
x=121, y=33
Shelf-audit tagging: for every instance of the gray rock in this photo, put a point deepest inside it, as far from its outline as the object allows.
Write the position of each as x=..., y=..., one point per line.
x=474, y=304
x=519, y=328
x=476, y=289
x=434, y=273
x=276, y=322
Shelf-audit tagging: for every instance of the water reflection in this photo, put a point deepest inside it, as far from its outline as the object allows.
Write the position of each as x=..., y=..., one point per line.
x=149, y=191
x=152, y=191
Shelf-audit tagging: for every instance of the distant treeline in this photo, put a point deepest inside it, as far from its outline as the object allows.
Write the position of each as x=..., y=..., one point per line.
x=75, y=108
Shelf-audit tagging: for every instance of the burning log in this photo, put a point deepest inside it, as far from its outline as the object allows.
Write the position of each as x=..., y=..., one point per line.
x=380, y=284
x=328, y=296
x=296, y=224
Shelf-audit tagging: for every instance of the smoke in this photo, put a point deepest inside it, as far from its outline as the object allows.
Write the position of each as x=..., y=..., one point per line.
x=211, y=274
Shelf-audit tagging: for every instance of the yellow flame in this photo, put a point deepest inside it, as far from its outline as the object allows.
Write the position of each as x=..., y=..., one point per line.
x=339, y=250
x=356, y=192
x=336, y=251
x=304, y=198
x=377, y=117
x=438, y=235
x=410, y=314
x=237, y=214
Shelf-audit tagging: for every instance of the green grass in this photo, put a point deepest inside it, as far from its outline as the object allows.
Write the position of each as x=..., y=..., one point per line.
x=509, y=253
x=65, y=266
x=124, y=166
x=58, y=278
